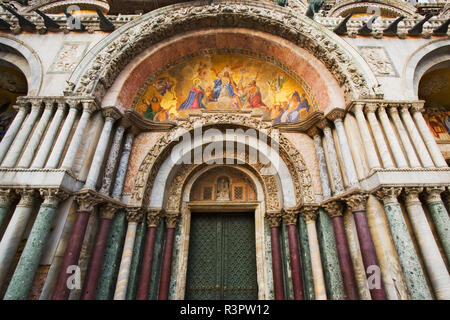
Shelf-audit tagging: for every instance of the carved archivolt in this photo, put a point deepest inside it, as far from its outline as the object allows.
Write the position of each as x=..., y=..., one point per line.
x=161, y=150
x=390, y=7
x=110, y=56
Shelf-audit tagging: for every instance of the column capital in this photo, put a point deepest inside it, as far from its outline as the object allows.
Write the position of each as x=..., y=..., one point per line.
x=172, y=217
x=336, y=114
x=273, y=218
x=334, y=208
x=357, y=106
x=371, y=107
x=6, y=197
x=433, y=194
x=357, y=201
x=108, y=210
x=22, y=106
x=27, y=197
x=89, y=106
x=87, y=201
x=323, y=124
x=289, y=215
x=412, y=194
x=111, y=113
x=388, y=194
x=417, y=106
x=313, y=132
x=309, y=213
x=52, y=196
x=154, y=217
x=134, y=214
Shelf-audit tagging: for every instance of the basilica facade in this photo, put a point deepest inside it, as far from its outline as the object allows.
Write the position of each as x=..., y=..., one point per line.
x=224, y=149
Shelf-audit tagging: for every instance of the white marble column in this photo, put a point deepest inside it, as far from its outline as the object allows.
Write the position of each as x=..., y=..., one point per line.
x=46, y=145
x=397, y=152
x=111, y=115
x=32, y=145
x=332, y=157
x=14, y=232
x=422, y=151
x=21, y=138
x=386, y=159
x=371, y=153
x=437, y=271
x=336, y=116
x=88, y=109
x=326, y=191
x=63, y=135
x=12, y=130
x=404, y=137
x=113, y=157
x=123, y=165
x=428, y=138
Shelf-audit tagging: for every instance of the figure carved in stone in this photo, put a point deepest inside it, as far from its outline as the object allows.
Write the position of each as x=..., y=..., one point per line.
x=223, y=189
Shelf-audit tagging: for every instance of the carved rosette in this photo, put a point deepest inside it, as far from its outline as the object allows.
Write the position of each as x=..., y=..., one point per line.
x=52, y=196
x=87, y=201
x=334, y=208
x=289, y=216
x=154, y=217
x=433, y=194
x=27, y=197
x=273, y=218
x=388, y=194
x=108, y=210
x=412, y=195
x=6, y=197
x=309, y=213
x=172, y=218
x=134, y=214
x=357, y=202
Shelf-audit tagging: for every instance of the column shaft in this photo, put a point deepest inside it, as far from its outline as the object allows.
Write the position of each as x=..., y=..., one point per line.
x=371, y=153
x=277, y=270
x=12, y=131
x=136, y=261
x=147, y=264
x=319, y=282
x=47, y=143
x=112, y=161
x=334, y=162
x=326, y=191
x=441, y=222
x=123, y=165
x=350, y=170
x=166, y=269
x=296, y=270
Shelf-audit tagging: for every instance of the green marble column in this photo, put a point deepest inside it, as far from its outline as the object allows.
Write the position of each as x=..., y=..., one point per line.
x=440, y=217
x=22, y=279
x=412, y=271
x=328, y=253
x=286, y=259
x=113, y=253
x=157, y=259
x=308, y=282
x=6, y=197
x=139, y=242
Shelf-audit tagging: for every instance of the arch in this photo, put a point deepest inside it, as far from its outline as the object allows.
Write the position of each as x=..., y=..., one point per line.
x=31, y=67
x=422, y=61
x=392, y=8
x=96, y=73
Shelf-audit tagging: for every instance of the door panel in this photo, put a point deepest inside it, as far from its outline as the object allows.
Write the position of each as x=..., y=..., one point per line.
x=222, y=257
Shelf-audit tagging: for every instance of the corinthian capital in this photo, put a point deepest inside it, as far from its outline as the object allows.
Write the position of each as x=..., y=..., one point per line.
x=388, y=194
x=309, y=213
x=357, y=202
x=289, y=216
x=108, y=210
x=6, y=197
x=27, y=197
x=336, y=114
x=313, y=131
x=334, y=208
x=433, y=194
x=153, y=217
x=371, y=107
x=412, y=194
x=172, y=217
x=273, y=218
x=52, y=196
x=87, y=201
x=111, y=113
x=417, y=106
x=135, y=214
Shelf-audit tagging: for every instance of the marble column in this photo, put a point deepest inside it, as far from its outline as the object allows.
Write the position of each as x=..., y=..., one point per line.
x=386, y=159
x=403, y=134
x=371, y=153
x=326, y=190
x=309, y=213
x=166, y=267
x=153, y=219
x=336, y=115
x=123, y=165
x=73, y=250
x=95, y=264
x=134, y=216
x=35, y=139
x=440, y=217
x=437, y=271
x=13, y=129
x=335, y=210
x=409, y=261
x=421, y=150
x=111, y=115
x=58, y=148
x=49, y=138
x=88, y=109
x=21, y=282
x=7, y=196
x=16, y=148
x=274, y=222
x=111, y=163
x=430, y=142
x=332, y=157
x=397, y=152
x=446, y=198
x=136, y=260
x=15, y=230
x=357, y=203
x=290, y=219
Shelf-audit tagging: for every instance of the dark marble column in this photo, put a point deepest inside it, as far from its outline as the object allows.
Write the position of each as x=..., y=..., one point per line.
x=166, y=269
x=98, y=253
x=274, y=220
x=153, y=218
x=290, y=219
x=7, y=196
x=335, y=210
x=72, y=254
x=357, y=203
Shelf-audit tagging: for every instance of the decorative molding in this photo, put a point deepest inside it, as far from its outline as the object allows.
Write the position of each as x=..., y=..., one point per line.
x=273, y=218
x=334, y=208
x=289, y=216
x=134, y=214
x=388, y=194
x=309, y=213
x=52, y=197
x=433, y=194
x=357, y=201
x=154, y=217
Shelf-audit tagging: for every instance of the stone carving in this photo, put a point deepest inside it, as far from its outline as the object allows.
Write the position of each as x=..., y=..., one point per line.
x=290, y=216
x=334, y=208
x=357, y=202
x=6, y=197
x=272, y=200
x=223, y=189
x=434, y=194
x=161, y=24
x=379, y=61
x=273, y=218
x=27, y=197
x=108, y=210
x=87, y=201
x=153, y=217
x=412, y=195
x=309, y=213
x=68, y=57
x=134, y=214
x=388, y=194
x=172, y=218
x=52, y=197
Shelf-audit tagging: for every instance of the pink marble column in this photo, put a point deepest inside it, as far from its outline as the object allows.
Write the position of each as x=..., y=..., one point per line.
x=273, y=220
x=166, y=268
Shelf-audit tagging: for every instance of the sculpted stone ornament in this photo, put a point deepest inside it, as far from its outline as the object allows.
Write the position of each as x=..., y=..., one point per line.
x=309, y=213
x=223, y=189
x=289, y=215
x=154, y=217
x=134, y=214
x=357, y=202
x=27, y=197
x=87, y=201
x=111, y=113
x=273, y=218
x=314, y=7
x=6, y=197
x=388, y=194
x=434, y=194
x=335, y=114
x=52, y=196
x=108, y=210
x=172, y=218
x=334, y=208
x=412, y=195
